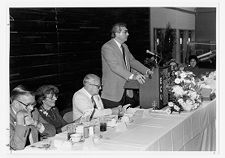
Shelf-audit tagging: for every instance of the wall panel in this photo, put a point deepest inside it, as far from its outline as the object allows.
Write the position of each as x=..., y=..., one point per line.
x=61, y=45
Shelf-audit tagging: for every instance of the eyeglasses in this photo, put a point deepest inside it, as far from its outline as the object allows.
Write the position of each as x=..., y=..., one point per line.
x=98, y=86
x=52, y=97
x=26, y=105
x=125, y=31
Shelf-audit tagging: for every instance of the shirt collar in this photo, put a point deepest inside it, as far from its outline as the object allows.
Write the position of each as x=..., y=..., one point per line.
x=87, y=93
x=118, y=44
x=13, y=110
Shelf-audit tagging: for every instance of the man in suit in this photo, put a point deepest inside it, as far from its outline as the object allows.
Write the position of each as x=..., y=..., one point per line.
x=87, y=102
x=26, y=123
x=117, y=62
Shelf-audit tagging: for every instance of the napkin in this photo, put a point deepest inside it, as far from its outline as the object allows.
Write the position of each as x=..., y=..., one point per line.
x=125, y=119
x=62, y=145
x=89, y=144
x=145, y=113
x=111, y=123
x=121, y=127
x=131, y=111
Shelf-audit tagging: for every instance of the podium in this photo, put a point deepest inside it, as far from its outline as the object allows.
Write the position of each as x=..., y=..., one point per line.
x=153, y=92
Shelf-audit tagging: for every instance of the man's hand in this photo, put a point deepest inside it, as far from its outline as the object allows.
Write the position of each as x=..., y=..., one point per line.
x=118, y=110
x=30, y=121
x=149, y=73
x=140, y=78
x=24, y=118
x=20, y=117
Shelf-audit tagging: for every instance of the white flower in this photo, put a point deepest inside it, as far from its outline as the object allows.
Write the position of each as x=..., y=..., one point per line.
x=183, y=75
x=46, y=114
x=195, y=106
x=177, y=81
x=176, y=108
x=187, y=107
x=193, y=95
x=178, y=91
x=189, y=102
x=171, y=104
x=187, y=81
x=180, y=101
x=168, y=111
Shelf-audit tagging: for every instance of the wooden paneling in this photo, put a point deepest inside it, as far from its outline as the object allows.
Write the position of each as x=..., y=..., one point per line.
x=61, y=45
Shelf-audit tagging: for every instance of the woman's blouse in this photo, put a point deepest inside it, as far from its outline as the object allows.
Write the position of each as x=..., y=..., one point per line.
x=195, y=70
x=53, y=117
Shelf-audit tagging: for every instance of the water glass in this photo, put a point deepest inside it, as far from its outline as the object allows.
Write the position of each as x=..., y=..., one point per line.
x=103, y=124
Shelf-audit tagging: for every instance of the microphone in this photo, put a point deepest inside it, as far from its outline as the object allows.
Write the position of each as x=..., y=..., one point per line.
x=203, y=55
x=148, y=52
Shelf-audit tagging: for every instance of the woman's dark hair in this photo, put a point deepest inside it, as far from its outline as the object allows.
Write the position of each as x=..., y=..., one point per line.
x=193, y=57
x=42, y=91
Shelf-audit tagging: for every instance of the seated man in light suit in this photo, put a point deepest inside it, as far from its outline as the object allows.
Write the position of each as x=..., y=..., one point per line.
x=26, y=124
x=117, y=62
x=83, y=104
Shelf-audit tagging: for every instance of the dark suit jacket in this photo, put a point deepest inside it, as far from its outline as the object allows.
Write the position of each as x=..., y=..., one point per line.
x=19, y=134
x=114, y=71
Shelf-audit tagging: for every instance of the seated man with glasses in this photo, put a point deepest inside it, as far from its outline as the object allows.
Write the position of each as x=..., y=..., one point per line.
x=46, y=97
x=26, y=124
x=87, y=102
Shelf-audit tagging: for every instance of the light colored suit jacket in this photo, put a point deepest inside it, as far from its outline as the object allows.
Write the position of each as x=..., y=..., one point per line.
x=115, y=72
x=19, y=134
x=82, y=104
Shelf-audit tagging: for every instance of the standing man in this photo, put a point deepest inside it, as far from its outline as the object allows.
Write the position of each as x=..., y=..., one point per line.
x=117, y=62
x=26, y=123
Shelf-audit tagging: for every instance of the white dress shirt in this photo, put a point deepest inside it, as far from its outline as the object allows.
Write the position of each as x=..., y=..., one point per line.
x=83, y=105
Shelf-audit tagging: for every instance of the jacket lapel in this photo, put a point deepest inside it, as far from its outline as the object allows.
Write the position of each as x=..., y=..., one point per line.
x=118, y=51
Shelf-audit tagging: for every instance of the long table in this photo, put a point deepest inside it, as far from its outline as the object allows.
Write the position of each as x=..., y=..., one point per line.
x=156, y=131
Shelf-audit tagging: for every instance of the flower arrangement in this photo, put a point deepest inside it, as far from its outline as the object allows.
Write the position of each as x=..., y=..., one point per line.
x=207, y=83
x=184, y=92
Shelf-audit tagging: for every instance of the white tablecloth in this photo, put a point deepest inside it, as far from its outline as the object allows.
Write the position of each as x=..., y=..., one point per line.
x=188, y=131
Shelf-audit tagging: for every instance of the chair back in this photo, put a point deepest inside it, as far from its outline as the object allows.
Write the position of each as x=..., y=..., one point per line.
x=68, y=117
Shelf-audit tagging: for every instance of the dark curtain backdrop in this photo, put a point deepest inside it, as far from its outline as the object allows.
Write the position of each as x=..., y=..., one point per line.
x=60, y=46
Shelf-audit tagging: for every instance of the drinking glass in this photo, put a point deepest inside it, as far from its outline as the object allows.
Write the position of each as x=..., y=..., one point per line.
x=103, y=124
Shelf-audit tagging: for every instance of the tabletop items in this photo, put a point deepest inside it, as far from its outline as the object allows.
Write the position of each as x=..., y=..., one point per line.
x=147, y=129
x=87, y=132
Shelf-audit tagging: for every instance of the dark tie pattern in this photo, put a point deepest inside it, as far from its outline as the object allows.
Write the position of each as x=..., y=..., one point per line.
x=124, y=58
x=93, y=101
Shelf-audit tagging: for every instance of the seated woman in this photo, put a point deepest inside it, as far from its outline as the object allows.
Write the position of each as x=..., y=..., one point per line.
x=46, y=97
x=193, y=61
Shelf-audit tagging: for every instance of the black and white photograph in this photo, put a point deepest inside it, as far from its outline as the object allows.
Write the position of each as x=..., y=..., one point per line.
x=88, y=78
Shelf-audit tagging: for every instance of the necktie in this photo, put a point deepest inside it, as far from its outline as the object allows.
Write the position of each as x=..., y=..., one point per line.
x=28, y=142
x=93, y=101
x=124, y=58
